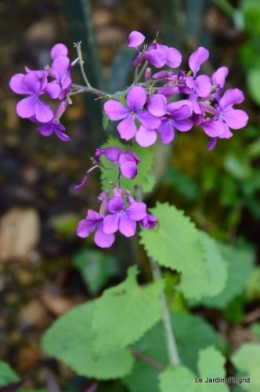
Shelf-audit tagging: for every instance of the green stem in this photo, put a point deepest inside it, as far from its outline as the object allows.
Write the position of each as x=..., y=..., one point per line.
x=225, y=7
x=166, y=319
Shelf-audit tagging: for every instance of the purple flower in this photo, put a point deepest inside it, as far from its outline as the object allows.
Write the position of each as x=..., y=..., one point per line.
x=60, y=71
x=136, y=99
x=54, y=125
x=32, y=84
x=127, y=161
x=135, y=39
x=177, y=117
x=149, y=221
x=226, y=117
x=123, y=218
x=94, y=221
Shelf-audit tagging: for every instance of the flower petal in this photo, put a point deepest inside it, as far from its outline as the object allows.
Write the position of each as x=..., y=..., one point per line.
x=213, y=128
x=219, y=76
x=197, y=58
x=136, y=98
x=145, y=137
x=16, y=84
x=235, y=118
x=174, y=58
x=26, y=107
x=115, y=110
x=127, y=226
x=148, y=120
x=128, y=169
x=136, y=211
x=127, y=127
x=103, y=240
x=157, y=105
x=58, y=50
x=231, y=97
x=116, y=204
x=43, y=112
x=110, y=223
x=167, y=132
x=135, y=39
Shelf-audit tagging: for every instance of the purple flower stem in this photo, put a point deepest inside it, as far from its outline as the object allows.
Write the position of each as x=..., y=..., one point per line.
x=76, y=89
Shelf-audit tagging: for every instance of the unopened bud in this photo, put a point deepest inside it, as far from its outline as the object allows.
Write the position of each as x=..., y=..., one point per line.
x=148, y=74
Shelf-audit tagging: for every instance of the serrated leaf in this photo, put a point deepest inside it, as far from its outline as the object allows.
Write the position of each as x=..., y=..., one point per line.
x=239, y=268
x=217, y=266
x=144, y=177
x=247, y=360
x=124, y=313
x=7, y=375
x=177, y=378
x=192, y=334
x=69, y=339
x=175, y=243
x=210, y=365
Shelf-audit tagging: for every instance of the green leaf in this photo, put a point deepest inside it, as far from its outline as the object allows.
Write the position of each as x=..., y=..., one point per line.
x=210, y=365
x=247, y=360
x=69, y=339
x=192, y=334
x=177, y=378
x=175, y=243
x=7, y=375
x=217, y=266
x=124, y=313
x=144, y=177
x=96, y=267
x=253, y=81
x=240, y=267
x=253, y=285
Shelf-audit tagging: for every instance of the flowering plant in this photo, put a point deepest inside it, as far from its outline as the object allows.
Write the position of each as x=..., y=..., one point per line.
x=159, y=102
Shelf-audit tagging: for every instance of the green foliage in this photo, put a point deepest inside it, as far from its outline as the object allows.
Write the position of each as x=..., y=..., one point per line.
x=183, y=183
x=176, y=243
x=96, y=267
x=192, y=334
x=253, y=81
x=69, y=339
x=7, y=375
x=240, y=265
x=181, y=379
x=251, y=11
x=253, y=285
x=66, y=224
x=247, y=360
x=144, y=176
x=124, y=313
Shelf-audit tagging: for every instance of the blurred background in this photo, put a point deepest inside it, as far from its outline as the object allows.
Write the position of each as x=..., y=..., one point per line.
x=45, y=269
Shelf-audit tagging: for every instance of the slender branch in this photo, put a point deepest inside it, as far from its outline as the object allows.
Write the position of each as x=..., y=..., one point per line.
x=141, y=72
x=171, y=343
x=148, y=360
x=76, y=89
x=81, y=63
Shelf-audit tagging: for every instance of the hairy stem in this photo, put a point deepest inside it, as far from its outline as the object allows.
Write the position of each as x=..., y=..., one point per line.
x=170, y=339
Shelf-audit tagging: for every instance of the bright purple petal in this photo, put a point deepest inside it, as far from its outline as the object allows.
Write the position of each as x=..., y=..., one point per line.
x=212, y=143
x=128, y=169
x=45, y=129
x=167, y=132
x=219, y=76
x=197, y=58
x=174, y=58
x=60, y=67
x=16, y=84
x=26, y=107
x=110, y=223
x=85, y=227
x=62, y=136
x=156, y=55
x=43, y=112
x=103, y=240
x=145, y=137
x=115, y=110
x=126, y=226
x=235, y=118
x=157, y=105
x=53, y=89
x=213, y=128
x=136, y=211
x=58, y=50
x=135, y=39
x=148, y=120
x=203, y=86
x=136, y=98
x=183, y=125
x=127, y=127
x=32, y=82
x=116, y=204
x=231, y=97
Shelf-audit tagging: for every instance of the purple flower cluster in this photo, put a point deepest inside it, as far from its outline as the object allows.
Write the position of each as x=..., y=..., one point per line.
x=156, y=108
x=147, y=109
x=54, y=82
x=118, y=213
